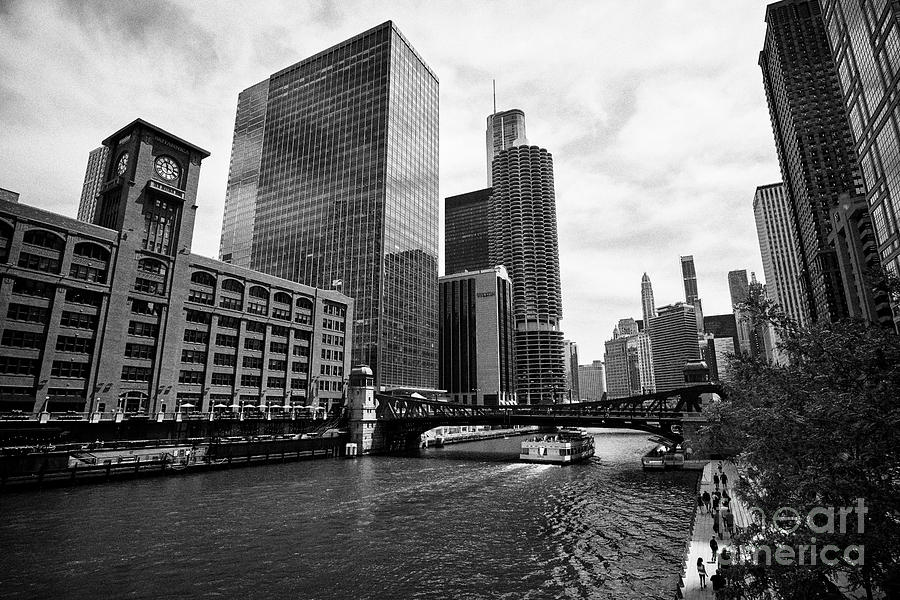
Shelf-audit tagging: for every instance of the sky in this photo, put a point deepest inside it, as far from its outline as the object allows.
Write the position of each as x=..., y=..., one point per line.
x=653, y=110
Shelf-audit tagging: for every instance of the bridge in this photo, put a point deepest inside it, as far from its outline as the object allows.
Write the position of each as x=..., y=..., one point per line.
x=384, y=422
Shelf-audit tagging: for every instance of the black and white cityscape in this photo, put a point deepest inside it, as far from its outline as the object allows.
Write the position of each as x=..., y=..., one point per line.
x=338, y=365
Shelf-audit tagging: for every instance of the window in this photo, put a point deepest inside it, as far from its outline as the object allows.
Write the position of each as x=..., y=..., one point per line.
x=298, y=384
x=23, y=339
x=298, y=367
x=193, y=377
x=193, y=356
x=253, y=344
x=148, y=286
x=31, y=287
x=251, y=380
x=231, y=303
x=76, y=296
x=280, y=313
x=132, y=373
x=38, y=263
x=68, y=343
x=301, y=350
x=256, y=308
x=149, y=265
x=78, y=320
x=253, y=362
x=229, y=341
x=139, y=351
x=201, y=297
x=277, y=365
x=87, y=273
x=278, y=347
x=275, y=382
x=282, y=298
x=67, y=368
x=91, y=251
x=142, y=307
x=196, y=316
x=141, y=329
x=256, y=327
x=31, y=314
x=279, y=331
x=203, y=278
x=222, y=379
x=159, y=220
x=229, y=322
x=233, y=285
x=224, y=360
x=259, y=292
x=44, y=239
x=194, y=336
x=13, y=365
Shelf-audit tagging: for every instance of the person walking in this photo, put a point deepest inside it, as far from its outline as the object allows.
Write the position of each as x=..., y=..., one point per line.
x=714, y=547
x=729, y=522
x=701, y=571
x=716, y=525
x=715, y=502
x=724, y=480
x=700, y=503
x=716, y=480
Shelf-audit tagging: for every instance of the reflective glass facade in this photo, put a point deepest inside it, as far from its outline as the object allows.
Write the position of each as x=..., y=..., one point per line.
x=466, y=232
x=347, y=193
x=865, y=39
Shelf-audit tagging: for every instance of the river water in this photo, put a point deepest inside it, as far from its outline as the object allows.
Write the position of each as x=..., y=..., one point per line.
x=464, y=521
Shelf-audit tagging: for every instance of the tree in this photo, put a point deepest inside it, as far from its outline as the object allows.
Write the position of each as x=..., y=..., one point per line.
x=814, y=436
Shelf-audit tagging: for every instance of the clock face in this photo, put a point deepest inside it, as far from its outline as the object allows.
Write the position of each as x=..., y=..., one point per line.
x=122, y=164
x=167, y=168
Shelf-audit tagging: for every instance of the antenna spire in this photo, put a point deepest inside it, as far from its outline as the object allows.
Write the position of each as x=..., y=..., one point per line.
x=494, y=81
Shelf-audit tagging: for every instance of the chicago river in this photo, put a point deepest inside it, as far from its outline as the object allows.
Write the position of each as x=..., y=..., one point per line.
x=464, y=521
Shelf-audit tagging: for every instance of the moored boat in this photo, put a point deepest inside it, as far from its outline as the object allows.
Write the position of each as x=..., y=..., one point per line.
x=562, y=448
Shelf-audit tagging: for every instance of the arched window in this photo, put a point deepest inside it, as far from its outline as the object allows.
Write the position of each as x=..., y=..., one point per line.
x=259, y=292
x=282, y=298
x=151, y=265
x=203, y=278
x=44, y=239
x=6, y=235
x=233, y=285
x=304, y=302
x=92, y=251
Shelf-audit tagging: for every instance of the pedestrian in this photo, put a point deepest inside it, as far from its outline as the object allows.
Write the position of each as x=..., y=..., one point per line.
x=715, y=502
x=724, y=480
x=718, y=582
x=716, y=480
x=700, y=502
x=716, y=526
x=706, y=500
x=714, y=547
x=720, y=466
x=701, y=571
x=729, y=522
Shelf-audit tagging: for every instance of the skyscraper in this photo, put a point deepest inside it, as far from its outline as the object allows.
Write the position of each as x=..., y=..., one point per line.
x=570, y=350
x=739, y=289
x=690, y=289
x=779, y=247
x=93, y=179
x=334, y=184
x=813, y=140
x=466, y=232
x=505, y=129
x=522, y=237
x=673, y=335
x=592, y=381
x=623, y=377
x=864, y=39
x=647, y=305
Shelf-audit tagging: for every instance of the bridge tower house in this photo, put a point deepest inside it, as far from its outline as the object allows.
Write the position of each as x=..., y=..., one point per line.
x=365, y=431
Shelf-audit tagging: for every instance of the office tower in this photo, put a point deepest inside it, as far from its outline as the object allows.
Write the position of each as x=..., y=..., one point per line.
x=93, y=179
x=739, y=289
x=779, y=247
x=466, y=232
x=626, y=327
x=592, y=381
x=864, y=42
x=120, y=315
x=570, y=352
x=505, y=129
x=476, y=337
x=673, y=336
x=813, y=139
x=690, y=279
x=851, y=236
x=645, y=362
x=717, y=352
x=647, y=306
x=338, y=157
x=623, y=378
x=522, y=237
x=722, y=326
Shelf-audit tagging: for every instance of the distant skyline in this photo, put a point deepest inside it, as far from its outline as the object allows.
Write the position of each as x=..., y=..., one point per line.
x=654, y=113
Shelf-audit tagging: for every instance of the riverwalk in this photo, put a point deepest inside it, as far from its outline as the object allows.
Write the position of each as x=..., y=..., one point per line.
x=703, y=531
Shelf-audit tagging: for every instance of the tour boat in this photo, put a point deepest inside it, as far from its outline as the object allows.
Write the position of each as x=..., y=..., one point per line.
x=562, y=448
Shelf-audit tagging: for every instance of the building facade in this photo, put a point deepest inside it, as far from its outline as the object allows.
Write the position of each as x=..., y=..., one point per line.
x=623, y=376
x=813, y=139
x=505, y=129
x=570, y=350
x=119, y=314
x=466, y=232
x=648, y=306
x=779, y=247
x=722, y=326
x=522, y=236
x=865, y=42
x=338, y=157
x=477, y=337
x=739, y=290
x=673, y=335
x=592, y=381
x=93, y=178
x=689, y=274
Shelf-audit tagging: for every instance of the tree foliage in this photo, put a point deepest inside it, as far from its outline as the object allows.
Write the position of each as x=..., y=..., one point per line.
x=818, y=432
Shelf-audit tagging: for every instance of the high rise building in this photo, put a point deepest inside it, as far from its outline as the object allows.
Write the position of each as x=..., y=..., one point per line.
x=334, y=184
x=647, y=305
x=739, y=289
x=717, y=353
x=570, y=351
x=119, y=315
x=476, y=337
x=466, y=232
x=97, y=163
x=505, y=129
x=522, y=237
x=779, y=247
x=864, y=40
x=645, y=362
x=813, y=139
x=690, y=279
x=673, y=336
x=592, y=381
x=623, y=377
x=722, y=326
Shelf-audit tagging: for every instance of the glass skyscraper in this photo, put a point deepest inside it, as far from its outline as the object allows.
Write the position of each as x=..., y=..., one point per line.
x=466, y=232
x=334, y=184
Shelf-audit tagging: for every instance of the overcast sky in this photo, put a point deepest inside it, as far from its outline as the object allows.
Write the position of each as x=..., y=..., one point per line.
x=654, y=112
